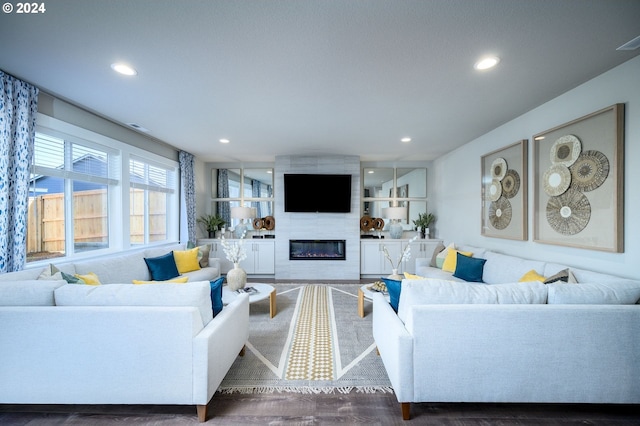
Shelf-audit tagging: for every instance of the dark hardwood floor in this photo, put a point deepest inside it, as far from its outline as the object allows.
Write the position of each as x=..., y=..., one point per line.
x=323, y=409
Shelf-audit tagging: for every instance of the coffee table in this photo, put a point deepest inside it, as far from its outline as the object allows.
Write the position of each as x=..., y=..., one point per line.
x=365, y=293
x=264, y=291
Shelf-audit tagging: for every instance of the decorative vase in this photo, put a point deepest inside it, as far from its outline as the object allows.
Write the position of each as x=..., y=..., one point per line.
x=236, y=278
x=395, y=276
x=395, y=230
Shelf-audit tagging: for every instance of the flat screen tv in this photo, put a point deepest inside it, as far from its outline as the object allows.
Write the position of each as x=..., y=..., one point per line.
x=317, y=193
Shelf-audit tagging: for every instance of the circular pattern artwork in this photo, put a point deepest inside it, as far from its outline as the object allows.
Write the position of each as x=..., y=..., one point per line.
x=566, y=150
x=589, y=171
x=366, y=223
x=569, y=213
x=500, y=213
x=510, y=183
x=494, y=191
x=556, y=180
x=498, y=168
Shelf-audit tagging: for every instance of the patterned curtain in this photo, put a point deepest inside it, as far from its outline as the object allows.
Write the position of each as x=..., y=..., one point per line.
x=18, y=108
x=224, y=210
x=187, y=177
x=255, y=193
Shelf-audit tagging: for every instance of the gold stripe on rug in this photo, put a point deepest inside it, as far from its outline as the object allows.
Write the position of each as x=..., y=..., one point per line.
x=311, y=353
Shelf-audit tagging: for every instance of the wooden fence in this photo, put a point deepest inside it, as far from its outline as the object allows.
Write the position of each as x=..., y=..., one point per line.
x=46, y=225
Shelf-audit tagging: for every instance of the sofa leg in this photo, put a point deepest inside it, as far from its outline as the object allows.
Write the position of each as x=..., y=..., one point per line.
x=202, y=413
x=377, y=351
x=242, y=351
x=405, y=407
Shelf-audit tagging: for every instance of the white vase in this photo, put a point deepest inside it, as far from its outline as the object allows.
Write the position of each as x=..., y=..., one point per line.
x=395, y=276
x=236, y=278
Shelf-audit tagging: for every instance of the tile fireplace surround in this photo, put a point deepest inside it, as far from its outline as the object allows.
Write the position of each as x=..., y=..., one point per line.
x=317, y=226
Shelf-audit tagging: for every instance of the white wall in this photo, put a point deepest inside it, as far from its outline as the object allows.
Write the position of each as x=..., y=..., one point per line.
x=454, y=179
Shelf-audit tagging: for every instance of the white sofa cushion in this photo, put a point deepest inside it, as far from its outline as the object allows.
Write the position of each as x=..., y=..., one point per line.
x=196, y=294
x=502, y=268
x=594, y=294
x=29, y=292
x=119, y=269
x=436, y=292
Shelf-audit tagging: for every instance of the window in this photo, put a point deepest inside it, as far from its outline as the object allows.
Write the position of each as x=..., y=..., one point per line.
x=81, y=196
x=150, y=189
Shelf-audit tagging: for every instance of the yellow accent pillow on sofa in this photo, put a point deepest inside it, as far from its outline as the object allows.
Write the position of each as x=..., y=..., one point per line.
x=90, y=278
x=177, y=280
x=532, y=275
x=187, y=260
x=451, y=260
x=412, y=276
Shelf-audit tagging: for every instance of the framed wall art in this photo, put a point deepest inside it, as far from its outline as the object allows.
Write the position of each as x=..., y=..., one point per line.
x=504, y=192
x=579, y=182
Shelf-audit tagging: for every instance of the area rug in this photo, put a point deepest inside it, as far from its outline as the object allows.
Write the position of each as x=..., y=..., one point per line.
x=316, y=343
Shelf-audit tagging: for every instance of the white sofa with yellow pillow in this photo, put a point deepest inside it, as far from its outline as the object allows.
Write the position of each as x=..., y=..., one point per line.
x=116, y=343
x=510, y=337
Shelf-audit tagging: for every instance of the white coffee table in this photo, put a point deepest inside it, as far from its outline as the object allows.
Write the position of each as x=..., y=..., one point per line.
x=264, y=291
x=365, y=293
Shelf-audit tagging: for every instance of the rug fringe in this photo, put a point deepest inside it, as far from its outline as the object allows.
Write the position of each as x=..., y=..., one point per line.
x=305, y=389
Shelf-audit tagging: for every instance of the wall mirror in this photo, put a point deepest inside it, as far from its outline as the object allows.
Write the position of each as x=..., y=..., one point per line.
x=242, y=187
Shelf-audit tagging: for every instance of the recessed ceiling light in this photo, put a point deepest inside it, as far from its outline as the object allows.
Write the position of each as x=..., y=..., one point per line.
x=224, y=140
x=405, y=140
x=486, y=63
x=371, y=172
x=123, y=69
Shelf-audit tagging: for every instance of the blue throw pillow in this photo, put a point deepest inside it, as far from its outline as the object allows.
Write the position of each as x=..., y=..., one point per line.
x=162, y=268
x=216, y=295
x=393, y=287
x=469, y=268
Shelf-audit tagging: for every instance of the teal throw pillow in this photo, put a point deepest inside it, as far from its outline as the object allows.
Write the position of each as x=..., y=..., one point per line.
x=216, y=295
x=469, y=268
x=162, y=268
x=71, y=279
x=393, y=287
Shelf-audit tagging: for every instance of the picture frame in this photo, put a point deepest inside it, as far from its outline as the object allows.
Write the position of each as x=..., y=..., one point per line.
x=579, y=182
x=504, y=192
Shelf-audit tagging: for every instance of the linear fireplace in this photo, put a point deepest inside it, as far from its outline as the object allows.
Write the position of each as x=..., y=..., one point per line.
x=317, y=250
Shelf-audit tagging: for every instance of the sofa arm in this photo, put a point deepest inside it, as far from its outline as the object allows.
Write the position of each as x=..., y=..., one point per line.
x=217, y=346
x=422, y=262
x=214, y=262
x=395, y=346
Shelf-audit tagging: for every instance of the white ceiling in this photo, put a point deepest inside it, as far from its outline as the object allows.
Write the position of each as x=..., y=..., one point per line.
x=293, y=77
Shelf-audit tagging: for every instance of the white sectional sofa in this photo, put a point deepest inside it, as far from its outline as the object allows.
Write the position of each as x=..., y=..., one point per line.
x=510, y=341
x=118, y=343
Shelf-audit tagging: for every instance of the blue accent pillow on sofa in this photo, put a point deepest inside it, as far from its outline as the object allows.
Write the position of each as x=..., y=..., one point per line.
x=216, y=295
x=469, y=268
x=162, y=268
x=393, y=287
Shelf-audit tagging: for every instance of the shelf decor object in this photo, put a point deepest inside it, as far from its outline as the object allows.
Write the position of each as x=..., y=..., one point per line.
x=579, y=182
x=504, y=192
x=242, y=213
x=395, y=214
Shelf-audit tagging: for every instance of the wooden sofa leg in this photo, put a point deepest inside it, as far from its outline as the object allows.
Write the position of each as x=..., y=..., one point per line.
x=242, y=351
x=405, y=407
x=202, y=413
x=377, y=351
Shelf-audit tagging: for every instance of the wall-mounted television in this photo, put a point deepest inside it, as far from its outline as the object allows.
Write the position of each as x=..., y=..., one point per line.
x=317, y=193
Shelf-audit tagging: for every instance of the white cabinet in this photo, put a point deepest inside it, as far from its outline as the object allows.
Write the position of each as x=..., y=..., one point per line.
x=260, y=259
x=374, y=262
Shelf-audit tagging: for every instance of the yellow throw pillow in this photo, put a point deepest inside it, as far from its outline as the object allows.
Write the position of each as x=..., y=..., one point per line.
x=177, y=280
x=412, y=276
x=451, y=260
x=532, y=275
x=187, y=260
x=90, y=278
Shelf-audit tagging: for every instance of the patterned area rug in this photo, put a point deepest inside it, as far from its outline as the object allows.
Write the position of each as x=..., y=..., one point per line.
x=315, y=343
